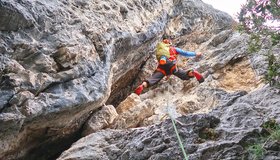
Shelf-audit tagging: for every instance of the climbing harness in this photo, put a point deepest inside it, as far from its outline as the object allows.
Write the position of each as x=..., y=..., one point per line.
x=169, y=111
x=172, y=69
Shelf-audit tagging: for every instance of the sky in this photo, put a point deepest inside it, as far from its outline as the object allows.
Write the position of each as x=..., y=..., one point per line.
x=229, y=6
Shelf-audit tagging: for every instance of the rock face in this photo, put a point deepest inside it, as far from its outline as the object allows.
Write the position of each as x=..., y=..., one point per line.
x=13, y=16
x=58, y=59
x=238, y=102
x=132, y=112
x=65, y=65
x=227, y=69
x=100, y=120
x=224, y=133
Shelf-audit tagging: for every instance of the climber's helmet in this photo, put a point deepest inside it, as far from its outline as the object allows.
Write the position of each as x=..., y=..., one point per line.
x=167, y=41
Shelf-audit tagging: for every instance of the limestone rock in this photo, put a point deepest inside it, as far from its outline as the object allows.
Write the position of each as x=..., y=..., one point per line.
x=128, y=103
x=237, y=108
x=11, y=122
x=13, y=17
x=62, y=60
x=155, y=142
x=20, y=98
x=222, y=134
x=132, y=112
x=100, y=120
x=65, y=54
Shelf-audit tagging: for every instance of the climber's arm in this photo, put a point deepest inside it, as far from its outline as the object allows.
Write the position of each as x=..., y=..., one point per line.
x=186, y=53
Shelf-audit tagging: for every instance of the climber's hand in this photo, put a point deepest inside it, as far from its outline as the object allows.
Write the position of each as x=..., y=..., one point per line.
x=198, y=55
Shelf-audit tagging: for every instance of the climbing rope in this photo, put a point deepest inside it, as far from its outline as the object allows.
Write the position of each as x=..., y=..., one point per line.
x=169, y=111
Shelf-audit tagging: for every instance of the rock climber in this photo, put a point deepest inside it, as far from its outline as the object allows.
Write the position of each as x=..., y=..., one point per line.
x=166, y=55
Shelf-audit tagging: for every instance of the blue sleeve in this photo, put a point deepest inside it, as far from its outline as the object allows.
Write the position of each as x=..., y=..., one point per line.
x=185, y=53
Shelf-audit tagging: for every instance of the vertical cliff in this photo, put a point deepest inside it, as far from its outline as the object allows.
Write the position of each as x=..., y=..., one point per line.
x=63, y=60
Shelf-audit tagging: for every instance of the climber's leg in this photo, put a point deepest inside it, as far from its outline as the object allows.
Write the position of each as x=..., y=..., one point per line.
x=154, y=79
x=186, y=75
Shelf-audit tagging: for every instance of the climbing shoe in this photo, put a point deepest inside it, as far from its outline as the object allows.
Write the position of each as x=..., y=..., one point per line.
x=198, y=76
x=139, y=89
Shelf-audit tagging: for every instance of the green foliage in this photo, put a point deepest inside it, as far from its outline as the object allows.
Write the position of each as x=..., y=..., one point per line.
x=275, y=38
x=253, y=19
x=254, y=43
x=255, y=13
x=275, y=135
x=273, y=70
x=240, y=28
x=274, y=8
x=270, y=125
x=273, y=129
x=257, y=151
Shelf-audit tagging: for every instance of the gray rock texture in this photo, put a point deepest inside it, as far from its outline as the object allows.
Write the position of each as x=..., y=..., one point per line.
x=14, y=16
x=61, y=60
x=238, y=102
x=224, y=133
x=100, y=119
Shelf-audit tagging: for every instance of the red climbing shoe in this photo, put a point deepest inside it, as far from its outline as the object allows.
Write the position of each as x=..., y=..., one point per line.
x=139, y=89
x=198, y=76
